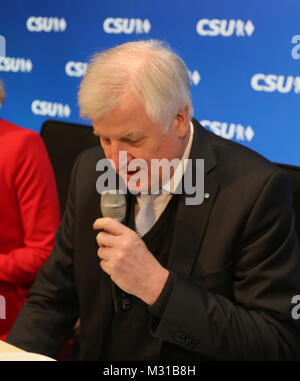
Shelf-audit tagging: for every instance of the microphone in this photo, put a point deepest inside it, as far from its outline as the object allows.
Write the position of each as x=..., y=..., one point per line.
x=113, y=205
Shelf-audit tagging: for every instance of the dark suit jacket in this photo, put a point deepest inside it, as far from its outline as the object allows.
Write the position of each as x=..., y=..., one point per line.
x=236, y=257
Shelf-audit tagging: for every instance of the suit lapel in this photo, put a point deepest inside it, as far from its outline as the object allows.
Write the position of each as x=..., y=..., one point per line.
x=191, y=220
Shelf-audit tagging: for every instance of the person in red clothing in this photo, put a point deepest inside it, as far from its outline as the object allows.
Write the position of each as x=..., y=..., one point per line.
x=29, y=215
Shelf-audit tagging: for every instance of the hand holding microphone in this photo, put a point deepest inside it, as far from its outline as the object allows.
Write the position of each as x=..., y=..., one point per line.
x=114, y=205
x=124, y=255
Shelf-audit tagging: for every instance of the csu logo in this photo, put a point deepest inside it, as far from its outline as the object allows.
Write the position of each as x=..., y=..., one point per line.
x=46, y=24
x=15, y=65
x=127, y=26
x=272, y=82
x=225, y=28
x=230, y=130
x=45, y=108
x=75, y=69
x=195, y=77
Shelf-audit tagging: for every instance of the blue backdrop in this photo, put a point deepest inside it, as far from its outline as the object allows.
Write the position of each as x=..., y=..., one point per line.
x=243, y=57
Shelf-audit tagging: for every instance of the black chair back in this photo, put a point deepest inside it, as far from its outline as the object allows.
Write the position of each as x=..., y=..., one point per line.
x=64, y=142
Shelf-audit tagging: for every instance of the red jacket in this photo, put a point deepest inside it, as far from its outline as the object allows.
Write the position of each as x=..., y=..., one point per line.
x=29, y=216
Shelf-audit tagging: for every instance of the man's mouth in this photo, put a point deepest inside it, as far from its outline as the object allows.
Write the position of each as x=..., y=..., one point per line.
x=129, y=173
x=132, y=172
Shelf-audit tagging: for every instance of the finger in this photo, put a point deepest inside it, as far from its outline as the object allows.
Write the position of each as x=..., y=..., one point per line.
x=109, y=225
x=103, y=253
x=106, y=239
x=105, y=266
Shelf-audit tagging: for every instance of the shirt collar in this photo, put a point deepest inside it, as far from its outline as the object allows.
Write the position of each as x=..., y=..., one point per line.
x=171, y=185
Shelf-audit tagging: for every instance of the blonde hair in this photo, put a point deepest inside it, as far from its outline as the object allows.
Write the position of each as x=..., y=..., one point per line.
x=157, y=77
x=2, y=93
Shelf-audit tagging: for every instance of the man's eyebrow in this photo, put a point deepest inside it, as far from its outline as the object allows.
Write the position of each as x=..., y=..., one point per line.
x=133, y=135
x=130, y=135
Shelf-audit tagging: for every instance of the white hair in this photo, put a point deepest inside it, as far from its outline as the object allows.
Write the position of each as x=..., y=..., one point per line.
x=2, y=93
x=158, y=78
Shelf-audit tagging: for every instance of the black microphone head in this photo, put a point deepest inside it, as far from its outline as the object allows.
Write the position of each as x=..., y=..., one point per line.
x=113, y=205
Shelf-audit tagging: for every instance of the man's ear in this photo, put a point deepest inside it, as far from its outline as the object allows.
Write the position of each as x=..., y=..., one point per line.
x=182, y=122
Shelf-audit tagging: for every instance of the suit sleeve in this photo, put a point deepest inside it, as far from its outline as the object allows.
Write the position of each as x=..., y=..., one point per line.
x=47, y=319
x=257, y=324
x=37, y=199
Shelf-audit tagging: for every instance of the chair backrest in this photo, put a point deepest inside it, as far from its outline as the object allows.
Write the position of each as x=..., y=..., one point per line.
x=64, y=142
x=294, y=174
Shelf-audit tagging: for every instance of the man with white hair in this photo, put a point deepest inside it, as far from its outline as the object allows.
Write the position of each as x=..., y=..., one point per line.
x=213, y=280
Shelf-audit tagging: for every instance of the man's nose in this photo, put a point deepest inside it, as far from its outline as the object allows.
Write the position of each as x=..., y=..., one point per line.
x=119, y=155
x=112, y=153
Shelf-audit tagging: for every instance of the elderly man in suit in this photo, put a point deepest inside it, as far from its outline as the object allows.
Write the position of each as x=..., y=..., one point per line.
x=213, y=280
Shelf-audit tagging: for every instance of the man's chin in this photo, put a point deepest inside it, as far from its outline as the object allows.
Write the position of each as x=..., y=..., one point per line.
x=137, y=188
